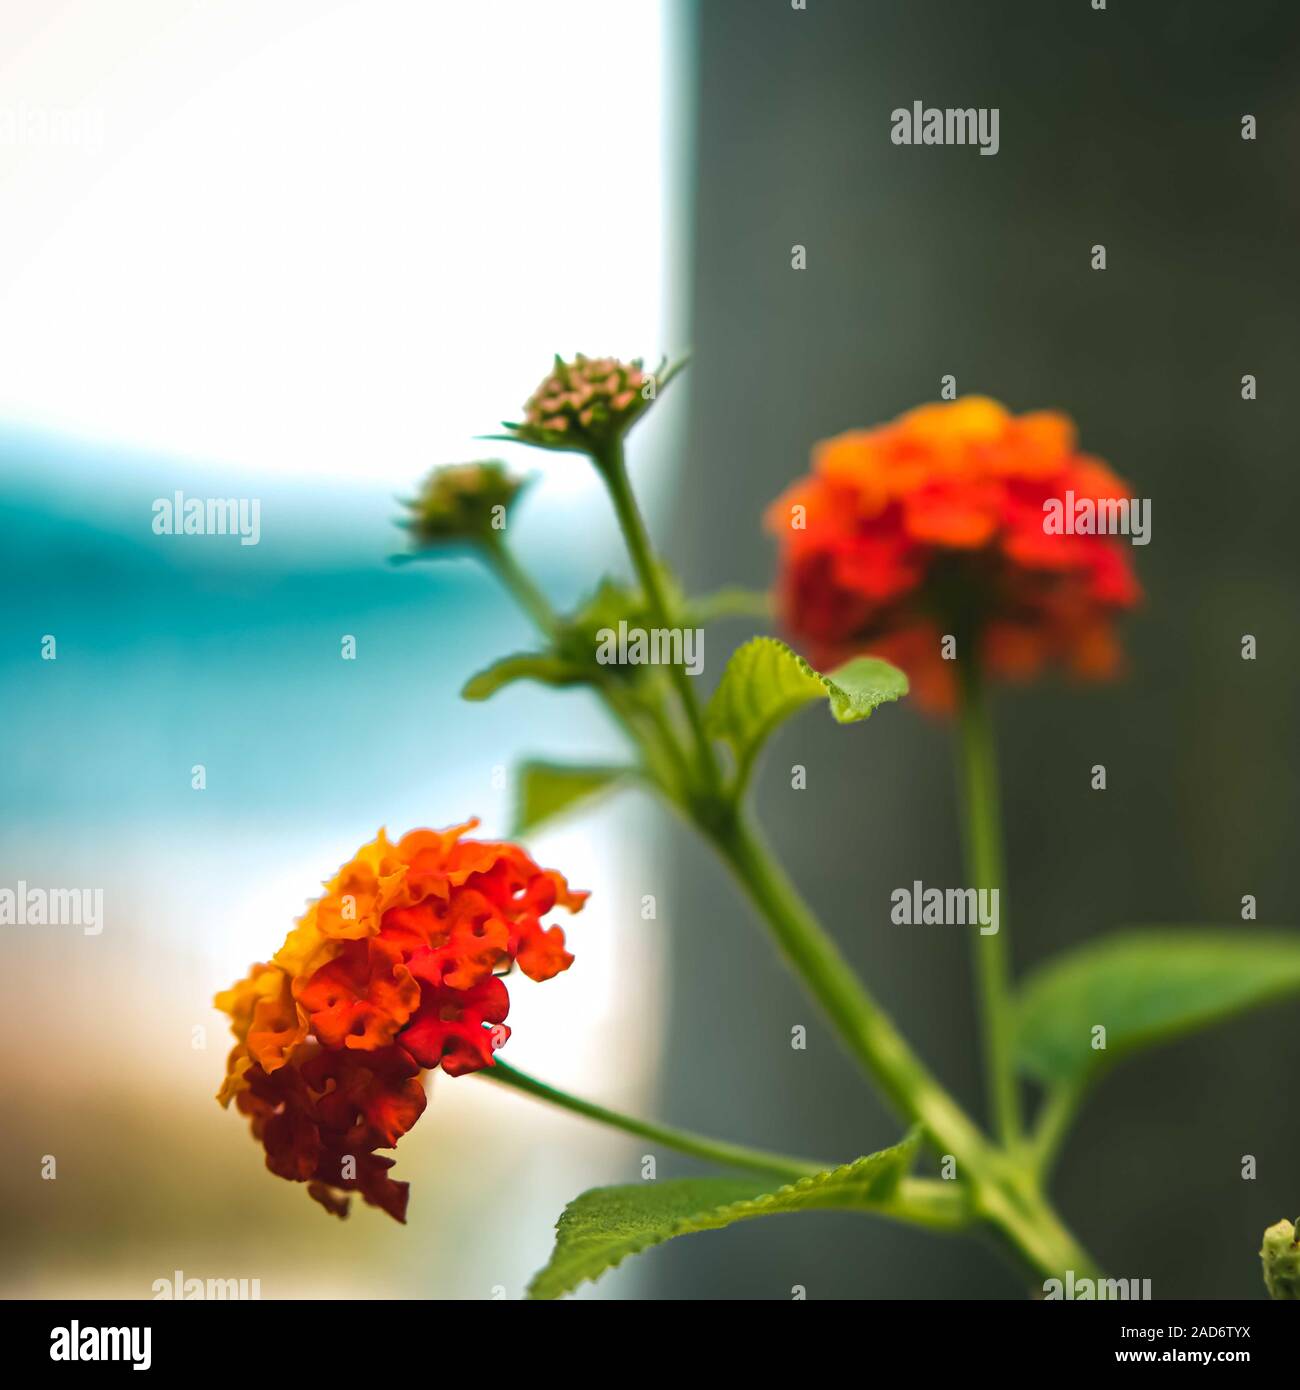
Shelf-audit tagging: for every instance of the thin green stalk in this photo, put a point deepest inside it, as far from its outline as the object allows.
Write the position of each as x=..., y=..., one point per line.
x=676, y=782
x=613, y=468
x=1028, y=1227
x=938, y=1206
x=929, y=1202
x=862, y=1024
x=657, y=743
x=517, y=582
x=1001, y=1191
x=697, y=1145
x=1036, y=1255
x=1054, y=1120
x=983, y=846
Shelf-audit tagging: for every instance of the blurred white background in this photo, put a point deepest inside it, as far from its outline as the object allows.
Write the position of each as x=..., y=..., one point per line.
x=302, y=249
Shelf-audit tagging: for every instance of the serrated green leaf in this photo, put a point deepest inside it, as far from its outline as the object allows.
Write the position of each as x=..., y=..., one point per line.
x=549, y=668
x=547, y=790
x=599, y=1229
x=1144, y=987
x=862, y=685
x=765, y=683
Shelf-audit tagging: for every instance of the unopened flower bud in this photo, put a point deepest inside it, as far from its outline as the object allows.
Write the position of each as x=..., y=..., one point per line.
x=461, y=501
x=588, y=404
x=1281, y=1256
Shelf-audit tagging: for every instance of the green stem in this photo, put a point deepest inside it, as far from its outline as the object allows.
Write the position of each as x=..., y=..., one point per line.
x=1054, y=1120
x=664, y=758
x=613, y=468
x=697, y=1145
x=662, y=737
x=938, y=1206
x=1000, y=1189
x=516, y=581
x=1026, y=1225
x=983, y=845
x=865, y=1029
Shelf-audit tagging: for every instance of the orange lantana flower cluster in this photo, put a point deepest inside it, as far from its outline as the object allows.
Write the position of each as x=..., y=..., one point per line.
x=397, y=968
x=934, y=525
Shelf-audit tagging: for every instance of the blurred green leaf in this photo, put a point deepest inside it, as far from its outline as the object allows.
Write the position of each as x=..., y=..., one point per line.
x=765, y=683
x=573, y=657
x=599, y=1229
x=613, y=600
x=547, y=790
x=1145, y=986
x=550, y=668
x=583, y=631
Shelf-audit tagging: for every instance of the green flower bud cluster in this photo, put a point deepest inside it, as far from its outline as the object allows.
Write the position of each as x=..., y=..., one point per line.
x=461, y=501
x=587, y=405
x=1281, y=1256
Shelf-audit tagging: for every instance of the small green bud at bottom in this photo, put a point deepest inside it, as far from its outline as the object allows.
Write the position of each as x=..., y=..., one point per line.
x=461, y=501
x=1281, y=1256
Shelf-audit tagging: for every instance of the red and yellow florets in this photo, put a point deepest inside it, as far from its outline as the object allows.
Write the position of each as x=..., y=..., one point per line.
x=935, y=523
x=395, y=969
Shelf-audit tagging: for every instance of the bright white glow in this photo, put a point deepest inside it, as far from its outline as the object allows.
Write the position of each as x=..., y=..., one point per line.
x=321, y=237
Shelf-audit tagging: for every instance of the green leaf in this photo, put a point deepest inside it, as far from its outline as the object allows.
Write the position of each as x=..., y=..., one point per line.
x=583, y=631
x=1145, y=986
x=547, y=790
x=862, y=685
x=765, y=682
x=613, y=600
x=572, y=659
x=599, y=1229
x=549, y=668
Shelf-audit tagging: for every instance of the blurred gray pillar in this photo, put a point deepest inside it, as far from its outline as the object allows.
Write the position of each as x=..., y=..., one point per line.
x=1120, y=127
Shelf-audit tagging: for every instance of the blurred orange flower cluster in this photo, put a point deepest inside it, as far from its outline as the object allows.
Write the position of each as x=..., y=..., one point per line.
x=934, y=525
x=395, y=969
